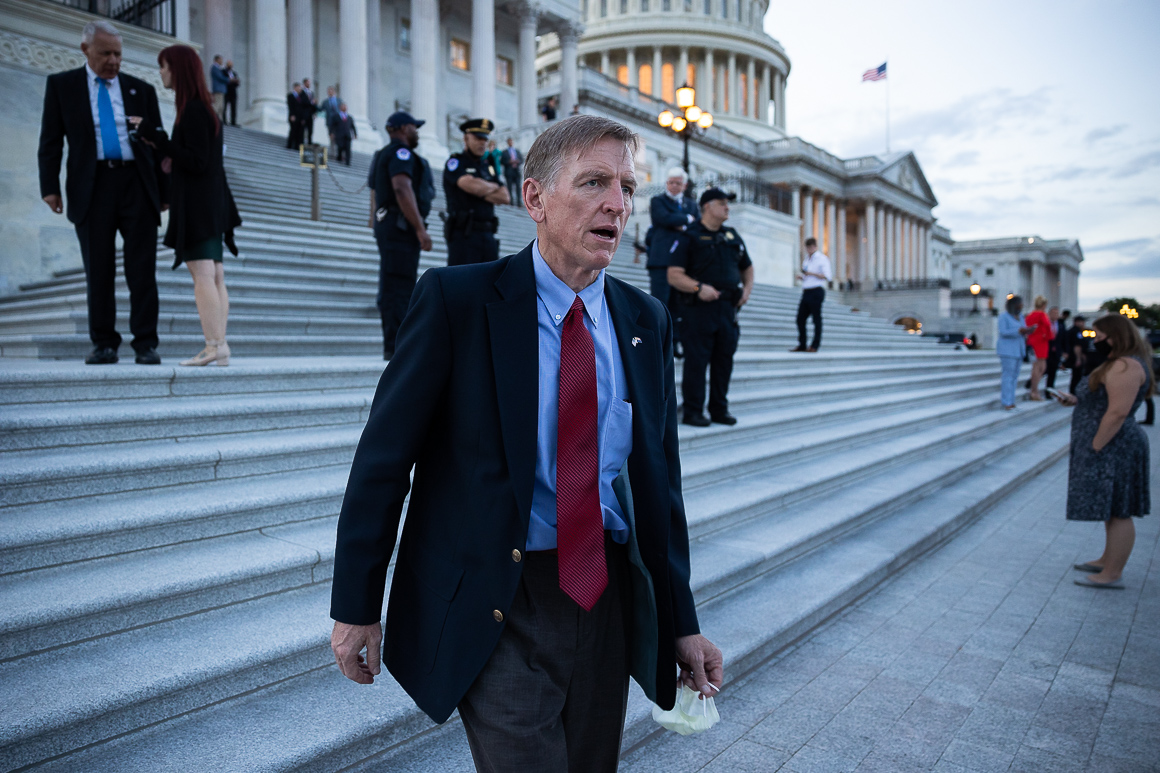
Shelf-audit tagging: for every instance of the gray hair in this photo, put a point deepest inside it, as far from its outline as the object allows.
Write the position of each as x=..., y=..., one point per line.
x=571, y=137
x=92, y=28
x=677, y=172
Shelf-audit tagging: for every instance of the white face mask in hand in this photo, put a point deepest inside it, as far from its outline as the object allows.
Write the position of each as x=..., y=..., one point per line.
x=689, y=715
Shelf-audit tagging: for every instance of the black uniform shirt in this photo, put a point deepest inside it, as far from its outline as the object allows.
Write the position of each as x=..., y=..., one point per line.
x=459, y=200
x=394, y=159
x=716, y=258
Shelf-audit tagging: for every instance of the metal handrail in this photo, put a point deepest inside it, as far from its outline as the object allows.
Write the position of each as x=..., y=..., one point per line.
x=157, y=15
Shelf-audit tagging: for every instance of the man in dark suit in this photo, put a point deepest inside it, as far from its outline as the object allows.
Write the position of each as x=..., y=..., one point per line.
x=672, y=213
x=513, y=159
x=309, y=109
x=545, y=554
x=113, y=184
x=294, y=114
x=342, y=130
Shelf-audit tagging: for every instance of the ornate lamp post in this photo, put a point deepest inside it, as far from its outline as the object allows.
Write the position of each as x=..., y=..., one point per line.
x=687, y=120
x=975, y=290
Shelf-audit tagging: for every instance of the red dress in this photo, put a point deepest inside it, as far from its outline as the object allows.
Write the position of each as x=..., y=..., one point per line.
x=1039, y=338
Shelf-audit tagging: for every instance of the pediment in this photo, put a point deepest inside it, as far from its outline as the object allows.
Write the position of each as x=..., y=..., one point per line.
x=905, y=172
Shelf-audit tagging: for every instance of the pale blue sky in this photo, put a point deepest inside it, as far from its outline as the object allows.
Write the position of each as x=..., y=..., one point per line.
x=1029, y=117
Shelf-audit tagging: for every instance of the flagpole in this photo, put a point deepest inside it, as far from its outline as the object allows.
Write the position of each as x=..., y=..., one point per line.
x=888, y=108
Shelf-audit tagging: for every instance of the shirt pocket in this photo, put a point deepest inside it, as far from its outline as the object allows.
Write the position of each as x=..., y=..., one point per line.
x=617, y=436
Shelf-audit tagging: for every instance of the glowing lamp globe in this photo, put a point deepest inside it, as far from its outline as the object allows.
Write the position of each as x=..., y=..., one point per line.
x=975, y=289
x=686, y=97
x=665, y=119
x=705, y=121
x=692, y=114
x=679, y=124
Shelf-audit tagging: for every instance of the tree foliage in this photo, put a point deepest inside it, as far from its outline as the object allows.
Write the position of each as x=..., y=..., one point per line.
x=1149, y=315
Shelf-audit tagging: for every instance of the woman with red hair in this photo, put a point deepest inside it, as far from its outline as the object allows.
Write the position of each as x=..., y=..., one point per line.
x=202, y=211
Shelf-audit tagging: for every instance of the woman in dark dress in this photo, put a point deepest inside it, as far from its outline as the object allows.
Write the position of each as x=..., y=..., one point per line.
x=202, y=212
x=1109, y=467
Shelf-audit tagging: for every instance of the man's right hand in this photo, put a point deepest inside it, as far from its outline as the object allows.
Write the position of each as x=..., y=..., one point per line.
x=54, y=202
x=708, y=293
x=424, y=240
x=347, y=641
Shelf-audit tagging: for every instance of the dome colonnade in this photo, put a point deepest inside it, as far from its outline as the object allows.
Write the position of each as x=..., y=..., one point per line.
x=655, y=46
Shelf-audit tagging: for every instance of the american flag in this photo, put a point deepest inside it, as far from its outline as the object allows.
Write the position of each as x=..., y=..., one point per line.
x=875, y=73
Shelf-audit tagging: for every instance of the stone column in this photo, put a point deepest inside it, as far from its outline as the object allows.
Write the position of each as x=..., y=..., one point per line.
x=680, y=75
x=751, y=89
x=181, y=25
x=528, y=86
x=843, y=271
x=375, y=113
x=924, y=253
x=763, y=103
x=630, y=63
x=267, y=109
x=352, y=43
x=569, y=85
x=219, y=35
x=731, y=85
x=483, y=59
x=710, y=78
x=897, y=236
x=887, y=244
x=868, y=250
x=779, y=99
x=913, y=248
x=830, y=235
x=300, y=41
x=904, y=247
x=656, y=72
x=425, y=58
x=605, y=64
x=807, y=215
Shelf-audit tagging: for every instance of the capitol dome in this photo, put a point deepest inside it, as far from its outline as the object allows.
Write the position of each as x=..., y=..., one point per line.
x=716, y=46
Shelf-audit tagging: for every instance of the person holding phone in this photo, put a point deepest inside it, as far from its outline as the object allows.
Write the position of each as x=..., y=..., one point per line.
x=1011, y=350
x=1109, y=464
x=113, y=185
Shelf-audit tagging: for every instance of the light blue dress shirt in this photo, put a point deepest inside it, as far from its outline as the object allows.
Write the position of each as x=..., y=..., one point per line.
x=614, y=412
x=114, y=88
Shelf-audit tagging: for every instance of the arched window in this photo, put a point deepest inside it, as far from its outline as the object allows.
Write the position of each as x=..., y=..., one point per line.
x=622, y=73
x=668, y=88
x=644, y=79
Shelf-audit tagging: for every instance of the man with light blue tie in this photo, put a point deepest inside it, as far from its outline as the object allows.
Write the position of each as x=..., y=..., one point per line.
x=113, y=185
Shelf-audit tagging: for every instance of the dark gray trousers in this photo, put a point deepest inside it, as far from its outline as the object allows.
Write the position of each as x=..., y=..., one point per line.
x=553, y=695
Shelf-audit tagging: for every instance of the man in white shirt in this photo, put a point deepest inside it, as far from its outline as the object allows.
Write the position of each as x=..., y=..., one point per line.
x=816, y=272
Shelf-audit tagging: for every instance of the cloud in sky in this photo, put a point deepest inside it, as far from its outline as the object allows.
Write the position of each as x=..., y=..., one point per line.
x=1014, y=137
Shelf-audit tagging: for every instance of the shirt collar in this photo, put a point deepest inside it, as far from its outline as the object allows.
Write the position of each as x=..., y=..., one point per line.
x=677, y=198
x=93, y=76
x=558, y=297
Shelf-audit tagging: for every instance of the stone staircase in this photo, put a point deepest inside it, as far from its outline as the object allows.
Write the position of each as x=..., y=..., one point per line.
x=167, y=534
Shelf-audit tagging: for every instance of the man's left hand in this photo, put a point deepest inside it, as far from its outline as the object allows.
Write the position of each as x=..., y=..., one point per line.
x=744, y=297
x=701, y=664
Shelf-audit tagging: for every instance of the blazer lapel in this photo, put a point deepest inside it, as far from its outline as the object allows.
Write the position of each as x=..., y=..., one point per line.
x=80, y=98
x=515, y=347
x=639, y=361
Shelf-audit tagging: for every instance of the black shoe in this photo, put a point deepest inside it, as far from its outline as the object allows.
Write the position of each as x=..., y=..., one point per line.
x=726, y=418
x=102, y=355
x=812, y=349
x=799, y=349
x=695, y=420
x=148, y=357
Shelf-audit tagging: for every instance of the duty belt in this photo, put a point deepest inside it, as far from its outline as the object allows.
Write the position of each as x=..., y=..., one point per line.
x=468, y=223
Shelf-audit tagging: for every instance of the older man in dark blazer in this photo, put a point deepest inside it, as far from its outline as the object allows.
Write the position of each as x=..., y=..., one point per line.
x=342, y=131
x=545, y=554
x=113, y=184
x=671, y=214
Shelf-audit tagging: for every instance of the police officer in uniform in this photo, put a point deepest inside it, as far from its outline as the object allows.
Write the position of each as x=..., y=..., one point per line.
x=711, y=280
x=472, y=186
x=404, y=190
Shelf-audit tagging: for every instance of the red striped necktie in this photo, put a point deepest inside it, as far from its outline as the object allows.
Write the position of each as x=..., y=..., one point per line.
x=579, y=518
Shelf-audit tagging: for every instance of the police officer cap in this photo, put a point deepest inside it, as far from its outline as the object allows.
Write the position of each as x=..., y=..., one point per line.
x=402, y=118
x=712, y=194
x=480, y=127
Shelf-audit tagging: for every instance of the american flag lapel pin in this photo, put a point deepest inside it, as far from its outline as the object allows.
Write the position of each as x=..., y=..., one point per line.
x=132, y=92
x=635, y=341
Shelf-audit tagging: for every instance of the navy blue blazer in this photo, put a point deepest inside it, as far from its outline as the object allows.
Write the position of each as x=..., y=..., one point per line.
x=458, y=403
x=666, y=216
